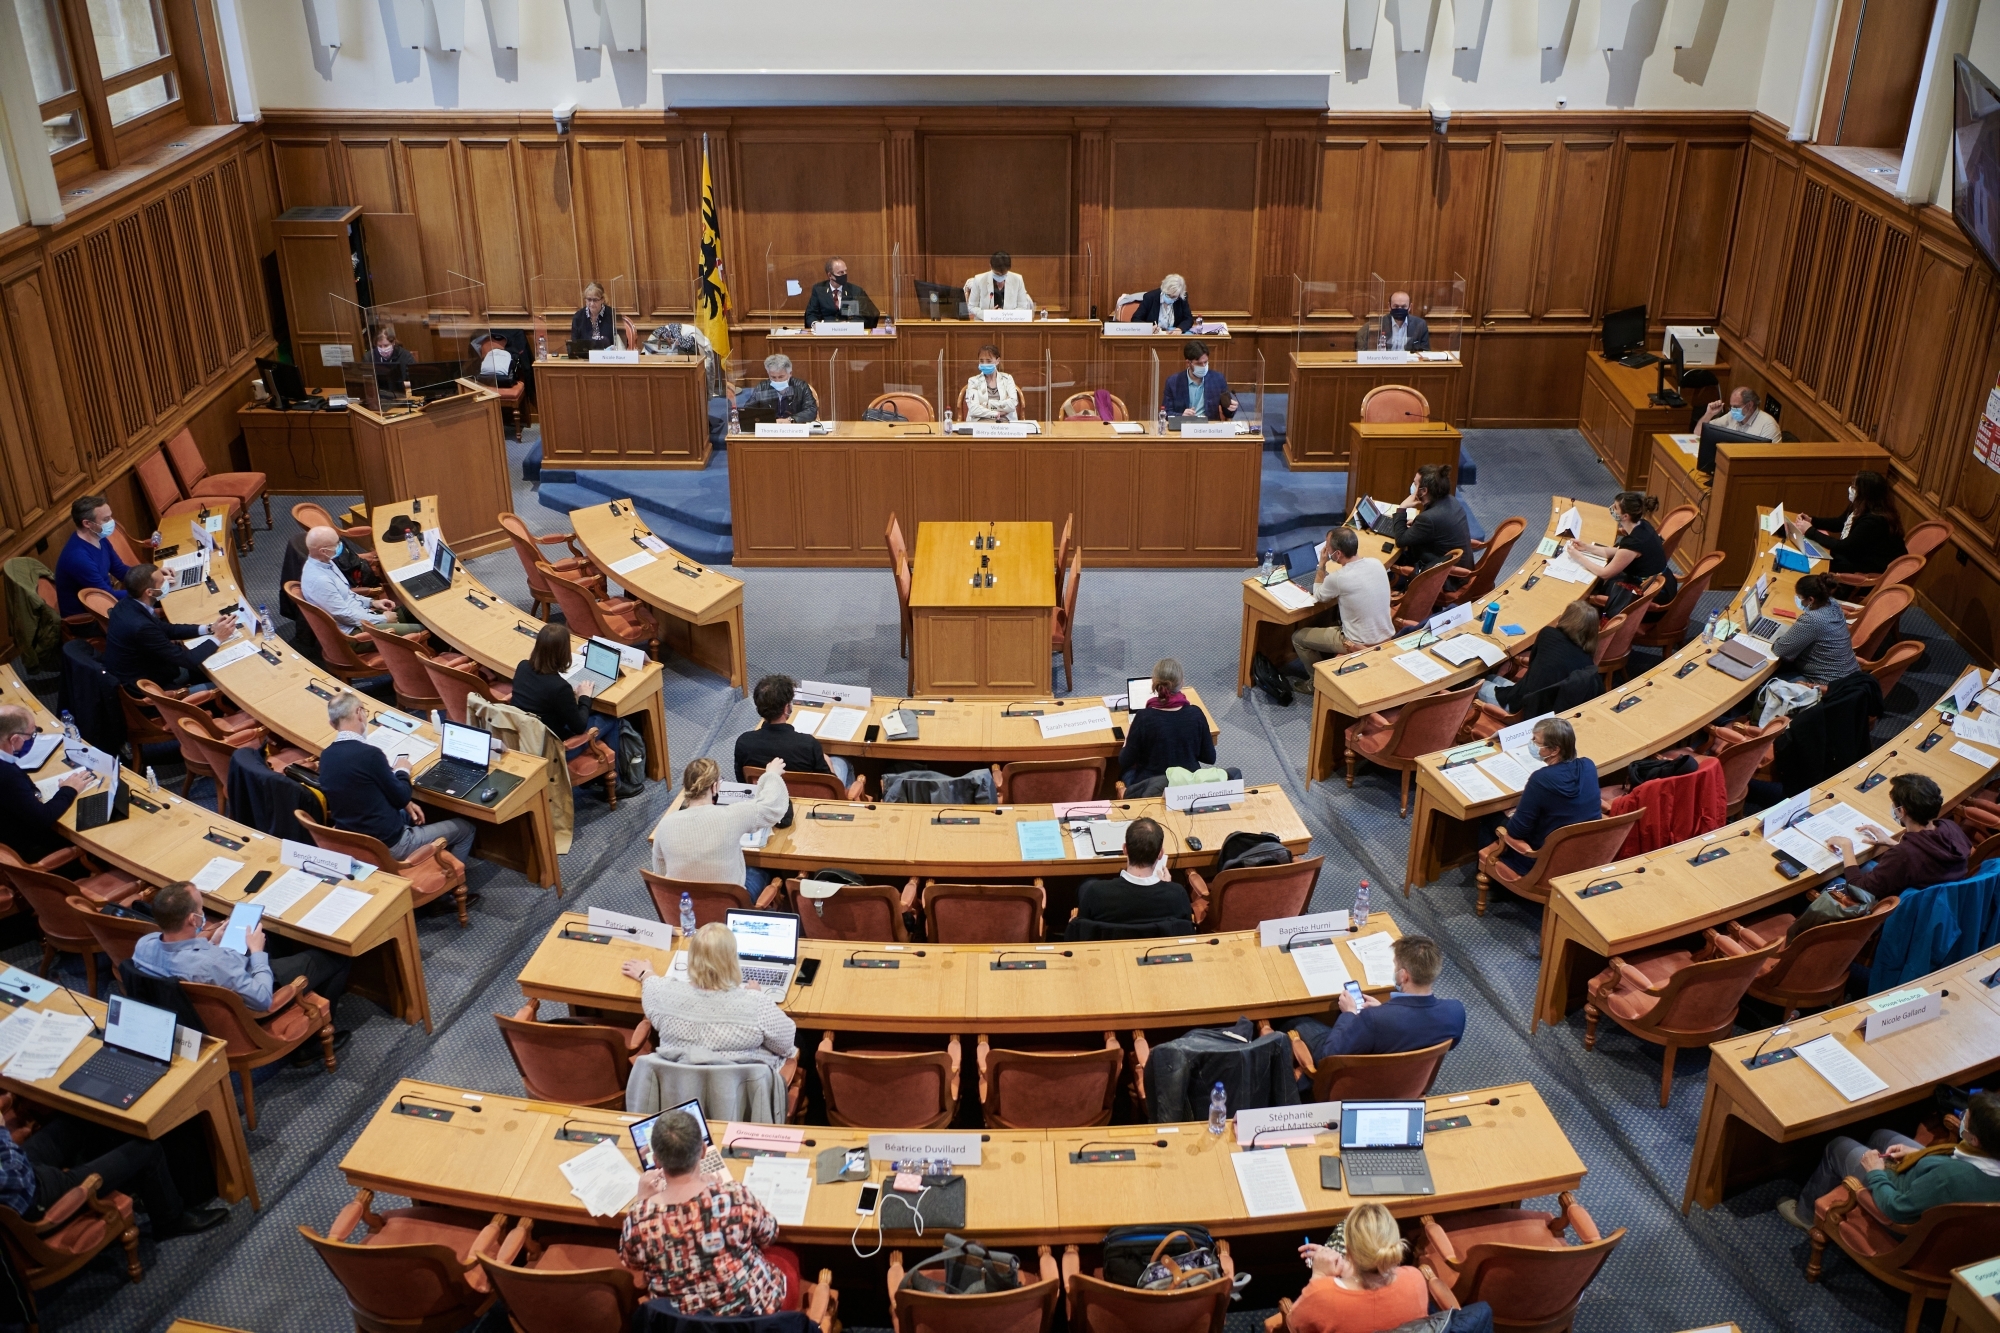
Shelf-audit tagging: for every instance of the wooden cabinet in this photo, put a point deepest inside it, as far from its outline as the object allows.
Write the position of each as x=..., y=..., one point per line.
x=1326, y=392
x=301, y=453
x=451, y=449
x=648, y=414
x=319, y=258
x=1671, y=477
x=1618, y=419
x=966, y=640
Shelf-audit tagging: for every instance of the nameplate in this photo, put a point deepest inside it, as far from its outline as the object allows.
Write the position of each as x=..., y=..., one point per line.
x=1383, y=358
x=1520, y=734
x=1005, y=430
x=1277, y=1126
x=1188, y=793
x=825, y=692
x=1279, y=929
x=1119, y=329
x=784, y=430
x=1452, y=619
x=1208, y=430
x=1007, y=316
x=636, y=929
x=958, y=1149
x=828, y=328
x=614, y=356
x=314, y=860
x=1909, y=1013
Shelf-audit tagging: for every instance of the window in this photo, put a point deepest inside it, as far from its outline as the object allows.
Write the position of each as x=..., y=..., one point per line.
x=105, y=72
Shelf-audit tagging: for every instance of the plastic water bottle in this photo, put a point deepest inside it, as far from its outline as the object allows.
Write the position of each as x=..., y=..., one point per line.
x=687, y=913
x=436, y=720
x=265, y=627
x=156, y=540
x=1491, y=618
x=735, y=422
x=70, y=732
x=1264, y=570
x=1708, y=628
x=1163, y=419
x=152, y=783
x=1359, y=917
x=947, y=421
x=1218, y=1111
x=414, y=544
x=541, y=347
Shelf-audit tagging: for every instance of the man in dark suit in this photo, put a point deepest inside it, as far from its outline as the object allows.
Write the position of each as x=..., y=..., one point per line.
x=27, y=822
x=1198, y=391
x=1411, y=1019
x=1439, y=527
x=777, y=738
x=778, y=397
x=597, y=322
x=364, y=794
x=1171, y=293
x=1141, y=902
x=1402, y=331
x=139, y=643
x=830, y=299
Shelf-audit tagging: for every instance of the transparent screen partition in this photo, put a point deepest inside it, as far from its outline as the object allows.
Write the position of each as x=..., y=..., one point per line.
x=416, y=350
x=1053, y=286
x=782, y=291
x=1433, y=323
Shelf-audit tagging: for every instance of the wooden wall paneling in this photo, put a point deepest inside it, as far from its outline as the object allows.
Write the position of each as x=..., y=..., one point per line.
x=1094, y=269
x=1704, y=224
x=1336, y=253
x=240, y=311
x=1527, y=376
x=138, y=270
x=1015, y=193
x=605, y=214
x=189, y=356
x=1183, y=206
x=1464, y=184
x=93, y=412
x=1881, y=316
x=827, y=517
x=304, y=168
x=1642, y=207
x=113, y=326
x=1576, y=217
x=494, y=224
x=1526, y=168
x=47, y=463
x=431, y=167
x=1757, y=267
x=238, y=204
x=1287, y=196
x=369, y=165
x=543, y=169
x=1801, y=262
x=938, y=478
x=1878, y=54
x=259, y=186
x=395, y=246
x=802, y=199
x=1403, y=228
x=667, y=236
x=1162, y=498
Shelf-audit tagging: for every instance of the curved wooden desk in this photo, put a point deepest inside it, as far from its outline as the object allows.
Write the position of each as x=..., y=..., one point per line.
x=499, y=637
x=700, y=616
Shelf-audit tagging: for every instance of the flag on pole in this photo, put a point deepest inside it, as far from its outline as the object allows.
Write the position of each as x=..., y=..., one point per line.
x=711, y=297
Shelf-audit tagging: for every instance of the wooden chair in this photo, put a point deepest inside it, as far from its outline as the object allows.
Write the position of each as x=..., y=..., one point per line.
x=1879, y=614
x=913, y=406
x=1419, y=598
x=1673, y=526
x=1665, y=627
x=84, y=1223
x=431, y=870
x=591, y=760
x=98, y=603
x=984, y=913
x=571, y=1281
x=712, y=902
x=1614, y=640
x=1901, y=569
x=1048, y=1089
x=100, y=886
x=417, y=1270
x=1669, y=996
x=351, y=658
x=1096, y=1306
x=1398, y=738
x=1083, y=407
x=117, y=936
x=527, y=549
x=1063, y=545
x=1063, y=628
x=1048, y=781
x=816, y=786
x=64, y=930
x=1242, y=897
x=1742, y=751
x=144, y=724
x=1925, y=538
x=570, y=1061
x=859, y=912
x=1479, y=580
x=452, y=684
x=899, y=568
x=171, y=704
x=295, y=1016
x=619, y=619
x=1569, y=849
x=892, y=537
x=165, y=497
x=1518, y=1261
x=405, y=659
x=1394, y=403
x=1404, y=1076
x=1809, y=970
x=892, y=1084
x=1888, y=669
x=207, y=755
x=84, y=626
x=1918, y=1259
x=1029, y=1308
x=239, y=488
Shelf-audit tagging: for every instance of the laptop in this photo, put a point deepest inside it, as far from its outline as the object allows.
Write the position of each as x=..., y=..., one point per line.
x=1761, y=625
x=600, y=666
x=711, y=1157
x=137, y=1052
x=768, y=945
x=1370, y=519
x=436, y=579
x=1382, y=1148
x=579, y=349
x=466, y=767
x=1138, y=693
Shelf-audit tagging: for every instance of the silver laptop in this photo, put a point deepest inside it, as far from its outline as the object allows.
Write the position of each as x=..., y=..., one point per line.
x=768, y=945
x=600, y=666
x=711, y=1158
x=1382, y=1148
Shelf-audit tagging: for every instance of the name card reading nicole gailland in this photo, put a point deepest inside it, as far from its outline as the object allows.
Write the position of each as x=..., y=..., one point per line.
x=1904, y=1009
x=958, y=1149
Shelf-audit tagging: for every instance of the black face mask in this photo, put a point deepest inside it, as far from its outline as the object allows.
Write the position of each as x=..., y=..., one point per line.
x=1400, y=311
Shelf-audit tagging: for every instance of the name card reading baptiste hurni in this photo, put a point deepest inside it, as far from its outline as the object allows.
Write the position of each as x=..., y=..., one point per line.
x=1276, y=931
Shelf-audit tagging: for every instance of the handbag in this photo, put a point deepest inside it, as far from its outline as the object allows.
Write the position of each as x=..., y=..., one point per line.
x=886, y=412
x=1131, y=1251
x=1194, y=1266
x=1841, y=902
x=964, y=1268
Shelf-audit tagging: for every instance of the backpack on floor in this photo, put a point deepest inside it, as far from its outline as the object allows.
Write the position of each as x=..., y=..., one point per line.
x=965, y=1268
x=1160, y=1258
x=1270, y=680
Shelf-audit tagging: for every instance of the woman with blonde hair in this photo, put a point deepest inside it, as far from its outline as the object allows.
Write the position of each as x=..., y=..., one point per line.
x=1368, y=1289
x=700, y=841
x=714, y=1012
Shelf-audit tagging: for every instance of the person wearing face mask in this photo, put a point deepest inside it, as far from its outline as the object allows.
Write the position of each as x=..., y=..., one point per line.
x=1166, y=306
x=1638, y=556
x=1140, y=902
x=999, y=288
x=991, y=394
x=596, y=323
x=140, y=644
x=327, y=588
x=1744, y=415
x=27, y=822
x=1870, y=533
x=779, y=397
x=1409, y=1020
x=1925, y=851
x=1402, y=331
x=1563, y=791
x=389, y=352
x=1199, y=391
x=87, y=559
x=838, y=299
x=1817, y=647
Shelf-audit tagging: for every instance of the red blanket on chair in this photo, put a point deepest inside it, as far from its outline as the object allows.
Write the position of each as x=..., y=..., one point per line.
x=1676, y=808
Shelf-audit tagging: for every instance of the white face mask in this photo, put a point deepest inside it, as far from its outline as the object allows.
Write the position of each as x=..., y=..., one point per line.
x=111, y=525
x=1850, y=495
x=779, y=384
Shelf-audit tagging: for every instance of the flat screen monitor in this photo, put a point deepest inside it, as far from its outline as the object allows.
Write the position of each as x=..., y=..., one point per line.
x=756, y=410
x=1975, y=159
x=363, y=388
x=940, y=300
x=433, y=379
x=283, y=380
x=1624, y=332
x=1711, y=435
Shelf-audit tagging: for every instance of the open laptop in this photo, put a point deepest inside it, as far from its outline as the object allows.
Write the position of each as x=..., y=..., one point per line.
x=1371, y=519
x=711, y=1157
x=466, y=767
x=1382, y=1148
x=600, y=666
x=768, y=945
x=137, y=1052
x=437, y=578
x=1138, y=692
x=1761, y=625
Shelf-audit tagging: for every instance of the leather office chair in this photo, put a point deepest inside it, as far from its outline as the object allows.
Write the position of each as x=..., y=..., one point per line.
x=1877, y=622
x=1063, y=627
x=712, y=902
x=913, y=406
x=86, y=1221
x=405, y=659
x=571, y=1281
x=1672, y=997
x=1027, y=1088
x=452, y=684
x=1419, y=598
x=239, y=488
x=1403, y=1076
x=572, y=1060
x=417, y=1270
x=1810, y=970
x=350, y=657
x=1394, y=403
x=1569, y=849
x=619, y=619
x=888, y=1083
x=1518, y=1261
x=1029, y=1308
x=816, y=786
x=1666, y=627
x=1096, y=1306
x=64, y=930
x=861, y=913
x=1673, y=525
x=1477, y=584
x=431, y=870
x=1615, y=636
x=527, y=549
x=1398, y=738
x=1918, y=1258
x=1242, y=897
x=984, y=913
x=295, y=1017
x=1048, y=781
x=591, y=760
x=165, y=497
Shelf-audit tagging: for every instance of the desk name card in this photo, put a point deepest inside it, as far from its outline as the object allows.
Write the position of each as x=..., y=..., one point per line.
x=1007, y=316
x=1907, y=1012
x=784, y=430
x=614, y=356
x=1208, y=430
x=1281, y=1126
x=1281, y=929
x=1114, y=328
x=1383, y=358
x=958, y=1149
x=1005, y=430
x=1191, y=793
x=828, y=328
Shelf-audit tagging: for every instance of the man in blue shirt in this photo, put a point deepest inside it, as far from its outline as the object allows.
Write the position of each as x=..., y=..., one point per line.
x=87, y=560
x=365, y=795
x=1411, y=1019
x=187, y=948
x=57, y=1157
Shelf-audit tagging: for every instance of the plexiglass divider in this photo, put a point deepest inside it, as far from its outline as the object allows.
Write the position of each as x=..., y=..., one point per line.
x=780, y=293
x=402, y=353
x=1439, y=302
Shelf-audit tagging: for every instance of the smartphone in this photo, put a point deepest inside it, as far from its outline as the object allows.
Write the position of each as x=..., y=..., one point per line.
x=243, y=919
x=808, y=969
x=1354, y=988
x=257, y=881
x=871, y=1194
x=1329, y=1173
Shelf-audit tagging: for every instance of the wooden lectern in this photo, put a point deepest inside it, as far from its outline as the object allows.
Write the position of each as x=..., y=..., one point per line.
x=451, y=449
x=966, y=640
x=1382, y=456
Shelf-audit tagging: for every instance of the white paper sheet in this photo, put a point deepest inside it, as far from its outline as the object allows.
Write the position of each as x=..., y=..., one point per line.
x=1979, y=757
x=1985, y=730
x=1845, y=1070
x=283, y=893
x=215, y=874
x=1779, y=815
x=1378, y=959
x=601, y=1179
x=16, y=1030
x=1321, y=969
x=48, y=1046
x=408, y=572
x=1421, y=665
x=782, y=1185
x=1267, y=1183
x=333, y=911
x=1566, y=570
x=1462, y=648
x=230, y=656
x=1473, y=784
x=808, y=724
x=841, y=724
x=1838, y=821
x=1774, y=521
x=1290, y=595
x=396, y=745
x=1127, y=428
x=1570, y=524
x=1068, y=723
x=1687, y=444
x=636, y=560
x=1505, y=770
x=1801, y=848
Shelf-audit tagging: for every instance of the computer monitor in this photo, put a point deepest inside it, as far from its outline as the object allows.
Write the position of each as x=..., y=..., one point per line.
x=579, y=349
x=1712, y=433
x=284, y=381
x=940, y=300
x=363, y=388
x=1624, y=332
x=431, y=380
x=749, y=415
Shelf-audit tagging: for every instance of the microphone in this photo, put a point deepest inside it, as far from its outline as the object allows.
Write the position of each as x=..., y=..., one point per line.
x=939, y=817
x=95, y=1029
x=1067, y=953
x=447, y=1107
x=1592, y=887
x=1291, y=941
x=1868, y=781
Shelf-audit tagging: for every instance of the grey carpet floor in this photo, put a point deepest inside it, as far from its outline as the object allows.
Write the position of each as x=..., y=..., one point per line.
x=1737, y=1262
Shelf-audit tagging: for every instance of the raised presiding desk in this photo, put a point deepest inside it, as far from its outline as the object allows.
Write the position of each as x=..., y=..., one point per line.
x=1326, y=392
x=970, y=638
x=452, y=448
x=1619, y=419
x=699, y=612
x=494, y=1153
x=648, y=413
x=483, y=625
x=1139, y=498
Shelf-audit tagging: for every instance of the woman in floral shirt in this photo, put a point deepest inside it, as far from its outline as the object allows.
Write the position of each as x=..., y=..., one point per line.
x=704, y=1243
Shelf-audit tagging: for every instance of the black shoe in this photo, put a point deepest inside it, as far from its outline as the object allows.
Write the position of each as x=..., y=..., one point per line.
x=628, y=790
x=313, y=1052
x=191, y=1221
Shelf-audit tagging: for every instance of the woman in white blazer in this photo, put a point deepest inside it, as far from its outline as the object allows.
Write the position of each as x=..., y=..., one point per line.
x=1012, y=292
x=990, y=395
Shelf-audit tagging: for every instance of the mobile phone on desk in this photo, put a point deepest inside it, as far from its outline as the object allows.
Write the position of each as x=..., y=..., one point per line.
x=871, y=1195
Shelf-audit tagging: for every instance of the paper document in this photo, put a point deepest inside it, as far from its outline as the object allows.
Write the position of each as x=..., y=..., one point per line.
x=1268, y=1185
x=1566, y=570
x=1128, y=428
x=1851, y=1078
x=755, y=840
x=1378, y=959
x=282, y=894
x=1779, y=815
x=1321, y=969
x=1462, y=648
x=1570, y=524
x=1687, y=444
x=15, y=1031
x=215, y=874
x=1066, y=723
x=408, y=572
x=26, y=985
x=1979, y=757
x=634, y=561
x=1290, y=595
x=807, y=724
x=782, y=1185
x=841, y=724
x=1803, y=849
x=399, y=746
x=1505, y=770
x=333, y=911
x=1840, y=821
x=1420, y=665
x=1041, y=839
x=1473, y=783
x=1985, y=730
x=50, y=1044
x=601, y=1179
x=230, y=656
x=1774, y=521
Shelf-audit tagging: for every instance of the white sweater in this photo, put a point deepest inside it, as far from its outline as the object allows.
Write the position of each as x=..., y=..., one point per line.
x=704, y=843
x=738, y=1022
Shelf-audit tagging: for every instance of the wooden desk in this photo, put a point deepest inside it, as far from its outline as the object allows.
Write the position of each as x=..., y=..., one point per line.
x=1383, y=457
x=1749, y=1115
x=190, y=1088
x=1446, y=828
x=300, y=453
x=1267, y=629
x=1965, y=1310
x=1326, y=392
x=1024, y=1191
x=653, y=414
x=700, y=618
x=1138, y=500
x=1339, y=701
x=452, y=448
x=492, y=635
x=967, y=640
x=1677, y=898
x=172, y=844
x=1618, y=419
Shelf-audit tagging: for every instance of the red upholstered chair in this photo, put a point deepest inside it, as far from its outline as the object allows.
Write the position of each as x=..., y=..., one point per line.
x=1742, y=750
x=417, y=1270
x=984, y=913
x=360, y=538
x=858, y=912
x=74, y=1230
x=98, y=603
x=527, y=548
x=572, y=1061
x=164, y=494
x=900, y=1083
x=619, y=619
x=101, y=886
x=815, y=786
x=452, y=684
x=1878, y=619
x=1858, y=587
x=350, y=657
x=1615, y=636
x=1518, y=1261
x=1671, y=809
x=1666, y=627
x=1419, y=598
x=117, y=936
x=1673, y=997
x=1063, y=627
x=1478, y=583
x=170, y=704
x=1241, y=898
x=1888, y=669
x=1048, y=1089
x=1396, y=403
x=1398, y=738
x=1097, y=1306
x=1918, y=1259
x=1029, y=1308
x=64, y=930
x=84, y=626
x=1404, y=1076
x=1569, y=849
x=1674, y=525
x=405, y=659
x=590, y=760
x=570, y=1280
x=207, y=755
x=1048, y=781
x=1083, y=406
x=237, y=487
x=712, y=902
x=295, y=1017
x=1810, y=970
x=431, y=870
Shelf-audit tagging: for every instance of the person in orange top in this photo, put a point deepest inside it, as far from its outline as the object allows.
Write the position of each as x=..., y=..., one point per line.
x=1369, y=1289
